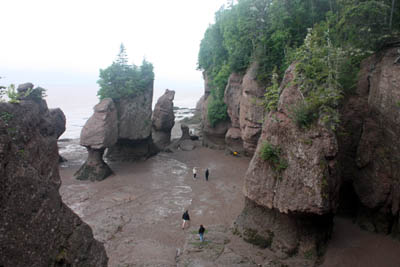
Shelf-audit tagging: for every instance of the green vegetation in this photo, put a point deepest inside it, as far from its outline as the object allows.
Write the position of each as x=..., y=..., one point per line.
x=328, y=39
x=122, y=80
x=6, y=116
x=271, y=96
x=14, y=96
x=272, y=154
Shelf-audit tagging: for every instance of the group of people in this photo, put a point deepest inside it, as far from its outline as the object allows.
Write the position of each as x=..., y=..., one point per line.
x=206, y=174
x=186, y=222
x=186, y=217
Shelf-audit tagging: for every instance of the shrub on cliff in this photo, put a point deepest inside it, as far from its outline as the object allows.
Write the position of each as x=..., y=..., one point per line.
x=122, y=80
x=273, y=155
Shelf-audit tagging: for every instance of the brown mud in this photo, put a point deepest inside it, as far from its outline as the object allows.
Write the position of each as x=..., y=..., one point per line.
x=137, y=211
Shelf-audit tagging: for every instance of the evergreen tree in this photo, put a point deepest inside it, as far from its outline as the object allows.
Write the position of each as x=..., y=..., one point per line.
x=122, y=80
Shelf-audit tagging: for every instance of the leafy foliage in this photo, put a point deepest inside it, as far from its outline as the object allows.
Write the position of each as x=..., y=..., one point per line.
x=122, y=80
x=271, y=32
x=216, y=111
x=271, y=96
x=272, y=154
x=319, y=67
x=12, y=94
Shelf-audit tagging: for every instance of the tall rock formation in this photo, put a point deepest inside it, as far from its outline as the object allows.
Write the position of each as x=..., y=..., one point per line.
x=36, y=227
x=243, y=96
x=251, y=109
x=293, y=190
x=232, y=98
x=213, y=137
x=369, y=146
x=59, y=120
x=98, y=133
x=134, y=127
x=163, y=120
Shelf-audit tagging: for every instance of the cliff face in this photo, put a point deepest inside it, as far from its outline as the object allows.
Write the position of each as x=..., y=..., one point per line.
x=369, y=143
x=213, y=137
x=243, y=97
x=134, y=127
x=251, y=109
x=36, y=228
x=307, y=181
x=290, y=195
x=298, y=178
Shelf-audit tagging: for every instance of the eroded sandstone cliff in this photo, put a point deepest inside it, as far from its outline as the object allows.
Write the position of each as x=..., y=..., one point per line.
x=36, y=227
x=291, y=195
x=298, y=179
x=134, y=127
x=369, y=143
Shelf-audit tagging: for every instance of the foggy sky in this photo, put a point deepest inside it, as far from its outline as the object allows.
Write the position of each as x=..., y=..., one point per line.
x=61, y=45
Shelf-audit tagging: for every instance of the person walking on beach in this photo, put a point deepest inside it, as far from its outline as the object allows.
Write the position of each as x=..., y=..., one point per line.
x=207, y=173
x=201, y=232
x=185, y=219
x=194, y=172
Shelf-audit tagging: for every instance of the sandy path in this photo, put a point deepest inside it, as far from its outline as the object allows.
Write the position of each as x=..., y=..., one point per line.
x=137, y=212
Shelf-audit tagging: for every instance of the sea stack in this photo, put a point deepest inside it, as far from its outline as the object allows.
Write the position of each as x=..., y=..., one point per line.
x=99, y=133
x=163, y=120
x=134, y=127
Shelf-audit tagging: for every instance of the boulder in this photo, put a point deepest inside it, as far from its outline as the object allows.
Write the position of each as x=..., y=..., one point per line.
x=98, y=133
x=163, y=120
x=37, y=228
x=298, y=185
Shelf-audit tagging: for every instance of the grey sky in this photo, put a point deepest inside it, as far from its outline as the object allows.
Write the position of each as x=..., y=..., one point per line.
x=61, y=45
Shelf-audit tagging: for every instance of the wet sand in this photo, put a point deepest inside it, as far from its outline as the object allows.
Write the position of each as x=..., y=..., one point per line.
x=137, y=211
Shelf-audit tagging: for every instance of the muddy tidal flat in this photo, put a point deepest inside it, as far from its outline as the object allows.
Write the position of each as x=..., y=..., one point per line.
x=137, y=213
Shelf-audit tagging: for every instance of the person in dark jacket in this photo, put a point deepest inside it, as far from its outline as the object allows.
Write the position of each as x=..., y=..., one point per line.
x=201, y=232
x=185, y=219
x=207, y=173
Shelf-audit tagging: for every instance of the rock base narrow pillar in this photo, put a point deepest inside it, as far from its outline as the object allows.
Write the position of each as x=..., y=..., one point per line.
x=288, y=235
x=94, y=169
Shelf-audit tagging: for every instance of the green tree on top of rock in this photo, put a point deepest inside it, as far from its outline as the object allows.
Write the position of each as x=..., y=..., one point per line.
x=123, y=80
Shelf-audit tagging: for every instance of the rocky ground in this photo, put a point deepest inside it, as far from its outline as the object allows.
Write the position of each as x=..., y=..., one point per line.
x=137, y=214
